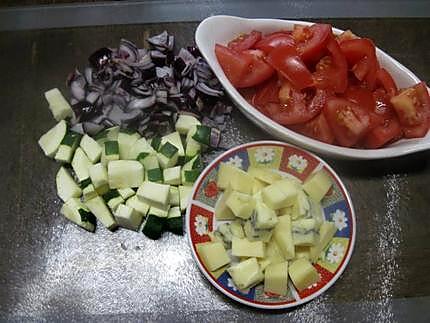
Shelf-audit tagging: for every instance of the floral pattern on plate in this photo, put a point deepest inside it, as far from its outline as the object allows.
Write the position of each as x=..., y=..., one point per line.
x=290, y=161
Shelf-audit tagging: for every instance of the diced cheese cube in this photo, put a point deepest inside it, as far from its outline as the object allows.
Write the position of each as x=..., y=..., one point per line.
x=276, y=278
x=304, y=232
x=242, y=205
x=246, y=248
x=284, y=238
x=125, y=173
x=318, y=185
x=246, y=274
x=257, y=186
x=237, y=178
x=263, y=262
x=327, y=232
x=154, y=192
x=265, y=217
x=302, y=252
x=127, y=217
x=303, y=274
x=265, y=175
x=213, y=255
x=278, y=196
x=172, y=175
x=273, y=252
x=222, y=211
x=237, y=229
x=254, y=234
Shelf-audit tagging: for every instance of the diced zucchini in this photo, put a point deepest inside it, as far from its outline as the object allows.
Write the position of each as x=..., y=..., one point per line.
x=167, y=155
x=242, y=205
x=172, y=176
x=155, y=175
x=99, y=208
x=246, y=248
x=77, y=212
x=114, y=203
x=202, y=134
x=303, y=274
x=99, y=178
x=138, y=205
x=265, y=217
x=110, y=134
x=84, y=183
x=68, y=146
x=58, y=105
x=192, y=148
x=154, y=192
x=184, y=195
x=155, y=143
x=66, y=185
x=174, y=199
x=188, y=177
x=276, y=278
x=160, y=212
x=153, y=226
x=125, y=173
x=91, y=148
x=222, y=211
x=110, y=152
x=304, y=232
x=185, y=122
x=213, y=255
x=327, y=232
x=283, y=237
x=81, y=164
x=140, y=146
x=148, y=161
x=126, y=192
x=265, y=175
x=126, y=140
x=51, y=140
x=89, y=192
x=175, y=139
x=318, y=185
x=127, y=217
x=174, y=221
x=246, y=274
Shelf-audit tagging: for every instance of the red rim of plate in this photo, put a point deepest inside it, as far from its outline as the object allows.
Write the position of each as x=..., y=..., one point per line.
x=258, y=304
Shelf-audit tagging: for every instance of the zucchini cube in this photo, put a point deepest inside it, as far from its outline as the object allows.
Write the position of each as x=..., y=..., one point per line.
x=125, y=174
x=153, y=226
x=99, y=178
x=91, y=148
x=51, y=140
x=155, y=193
x=127, y=217
x=172, y=176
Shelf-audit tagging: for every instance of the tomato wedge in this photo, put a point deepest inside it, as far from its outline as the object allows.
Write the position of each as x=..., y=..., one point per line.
x=245, y=41
x=409, y=108
x=418, y=131
x=355, y=51
x=311, y=41
x=386, y=80
x=286, y=61
x=243, y=69
x=332, y=71
x=317, y=128
x=269, y=42
x=347, y=120
x=390, y=130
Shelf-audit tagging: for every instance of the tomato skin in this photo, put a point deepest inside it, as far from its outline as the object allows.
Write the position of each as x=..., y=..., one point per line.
x=387, y=81
x=332, y=75
x=244, y=42
x=258, y=71
x=347, y=120
x=233, y=64
x=269, y=42
x=311, y=41
x=418, y=131
x=317, y=128
x=285, y=60
x=390, y=130
x=266, y=93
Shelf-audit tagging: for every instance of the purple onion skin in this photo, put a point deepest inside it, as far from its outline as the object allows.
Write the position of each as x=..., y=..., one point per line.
x=195, y=51
x=85, y=111
x=100, y=57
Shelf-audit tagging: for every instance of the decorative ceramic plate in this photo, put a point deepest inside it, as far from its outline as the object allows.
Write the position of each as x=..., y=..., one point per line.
x=289, y=161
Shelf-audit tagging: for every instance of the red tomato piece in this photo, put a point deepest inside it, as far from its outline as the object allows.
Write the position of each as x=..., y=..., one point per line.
x=286, y=61
x=245, y=41
x=409, y=108
x=365, y=99
x=346, y=35
x=354, y=51
x=387, y=132
x=269, y=42
x=424, y=97
x=418, y=131
x=317, y=128
x=332, y=71
x=234, y=65
x=347, y=120
x=311, y=41
x=386, y=80
x=266, y=93
x=243, y=69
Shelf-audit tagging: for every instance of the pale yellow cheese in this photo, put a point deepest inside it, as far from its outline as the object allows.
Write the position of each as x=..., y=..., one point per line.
x=276, y=278
x=265, y=175
x=303, y=274
x=213, y=255
x=257, y=186
x=222, y=211
x=242, y=205
x=327, y=231
x=237, y=229
x=246, y=273
x=284, y=238
x=265, y=217
x=246, y=248
x=302, y=252
x=278, y=196
x=318, y=185
x=273, y=252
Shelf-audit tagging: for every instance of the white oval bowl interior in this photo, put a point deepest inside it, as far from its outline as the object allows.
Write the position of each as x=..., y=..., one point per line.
x=222, y=29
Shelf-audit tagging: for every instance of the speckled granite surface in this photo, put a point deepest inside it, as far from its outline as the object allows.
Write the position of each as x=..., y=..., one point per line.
x=50, y=270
